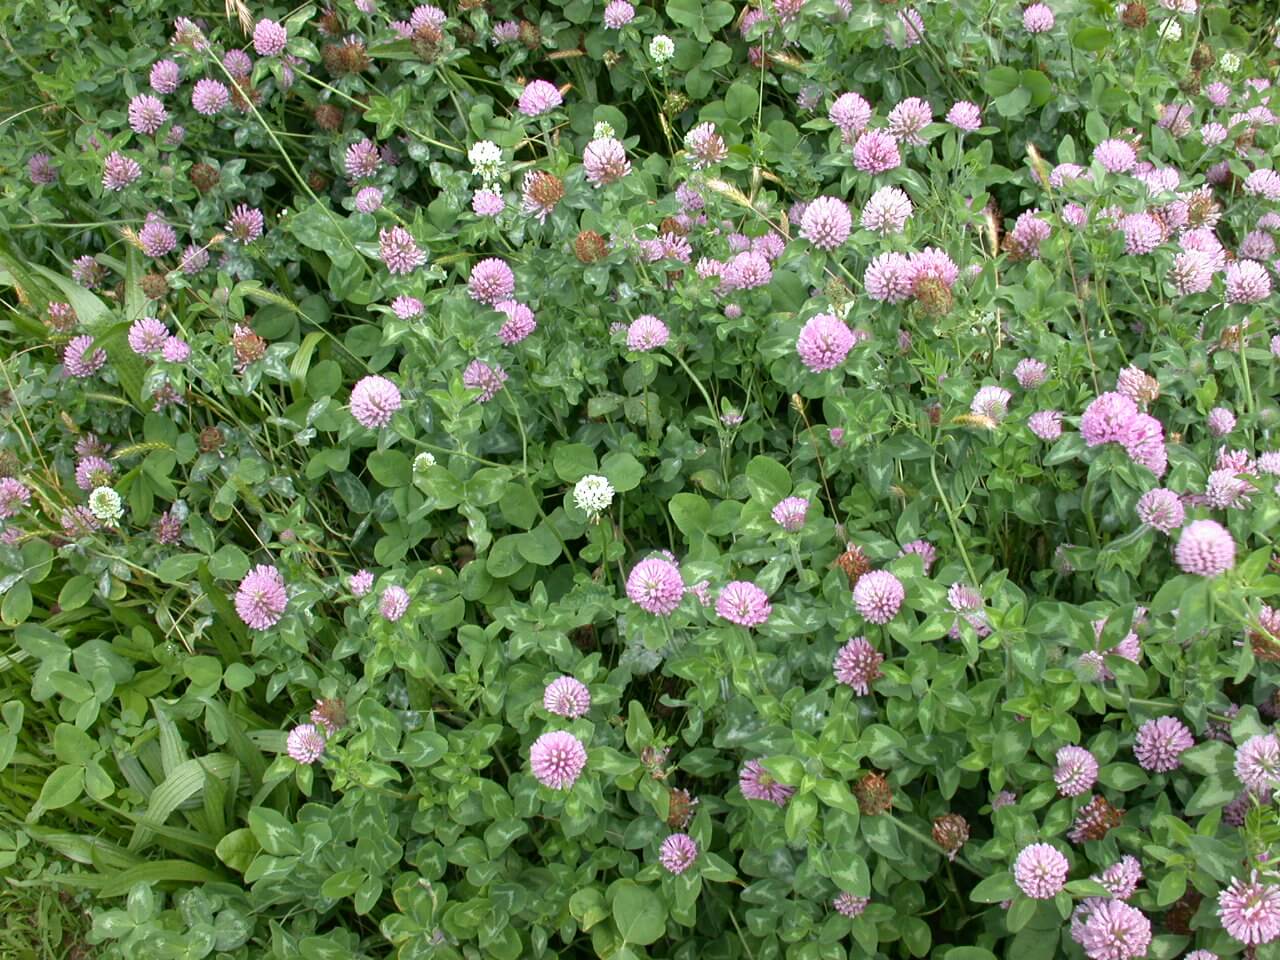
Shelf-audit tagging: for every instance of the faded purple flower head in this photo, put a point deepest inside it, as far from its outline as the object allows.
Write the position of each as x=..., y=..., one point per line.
x=485, y=378
x=1159, y=743
x=1205, y=548
x=757, y=783
x=1113, y=930
x=908, y=118
x=1161, y=509
x=1115, y=156
x=374, y=400
x=991, y=402
x=857, y=665
x=876, y=151
x=238, y=63
x=965, y=115
x=887, y=211
x=261, y=598
x=1046, y=424
x=1076, y=771
x=394, y=603
x=604, y=161
x=677, y=853
x=368, y=199
x=1257, y=762
x=1037, y=18
x=1030, y=373
x=194, y=259
x=923, y=549
x=743, y=603
x=847, y=905
x=305, y=743
x=147, y=336
x=790, y=512
x=557, y=759
x=246, y=224
x=566, y=697
x=360, y=583
x=165, y=76
x=618, y=13
x=1122, y=877
x=520, y=322
x=878, y=595
x=362, y=159
x=1040, y=871
x=14, y=496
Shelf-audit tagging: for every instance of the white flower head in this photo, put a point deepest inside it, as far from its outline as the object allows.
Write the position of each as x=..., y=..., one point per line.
x=1171, y=30
x=423, y=462
x=602, y=130
x=593, y=494
x=486, y=159
x=106, y=505
x=1230, y=62
x=662, y=48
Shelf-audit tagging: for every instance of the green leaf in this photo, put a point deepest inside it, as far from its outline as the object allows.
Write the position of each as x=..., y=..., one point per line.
x=75, y=593
x=64, y=786
x=1091, y=39
x=539, y=546
x=638, y=912
x=238, y=849
x=1123, y=776
x=741, y=99
x=202, y=671
x=768, y=481
x=573, y=461
x=276, y=835
x=72, y=745
x=1001, y=80
x=968, y=953
x=623, y=471
x=690, y=512
x=994, y=889
x=505, y=559
x=391, y=468
x=238, y=677
x=17, y=604
x=229, y=563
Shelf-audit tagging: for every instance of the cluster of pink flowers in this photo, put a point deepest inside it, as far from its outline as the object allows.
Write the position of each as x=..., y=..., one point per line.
x=1115, y=418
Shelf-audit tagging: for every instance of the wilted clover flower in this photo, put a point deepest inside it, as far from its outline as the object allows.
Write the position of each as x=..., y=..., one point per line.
x=605, y=161
x=824, y=342
x=705, y=146
x=1030, y=373
x=261, y=598
x=887, y=211
x=269, y=38
x=593, y=494
x=1040, y=871
x=991, y=402
x=194, y=259
x=878, y=595
x=646, y=332
x=92, y=472
x=757, y=783
x=118, y=171
x=374, y=400
x=677, y=853
x=857, y=665
x=398, y=251
x=1159, y=743
x=394, y=603
x=1205, y=548
x=557, y=759
x=540, y=193
x=566, y=697
x=305, y=743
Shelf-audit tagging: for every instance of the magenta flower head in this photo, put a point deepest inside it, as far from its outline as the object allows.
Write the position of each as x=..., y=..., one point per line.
x=1205, y=548
x=1030, y=373
x=491, y=281
x=857, y=665
x=269, y=38
x=1122, y=877
x=557, y=759
x=487, y=379
x=1250, y=910
x=92, y=472
x=146, y=114
x=923, y=549
x=826, y=223
x=305, y=743
x=655, y=586
x=13, y=497
x=360, y=583
x=1115, y=156
x=790, y=512
x=847, y=905
x=399, y=251
x=79, y=361
x=566, y=697
x=1247, y=282
x=677, y=853
x=147, y=336
x=373, y=401
x=520, y=322
x=118, y=171
x=965, y=115
x=1159, y=743
x=876, y=151
x=1037, y=18
x=1113, y=930
x=194, y=259
x=1076, y=772
x=362, y=159
x=887, y=211
x=878, y=595
x=261, y=597
x=538, y=97
x=605, y=161
x=1040, y=871
x=908, y=118
x=646, y=332
x=156, y=237
x=824, y=342
x=748, y=270
x=487, y=203
x=165, y=76
x=210, y=97
x=238, y=63
x=1046, y=424
x=406, y=307
x=618, y=13
x=757, y=783
x=394, y=603
x=1221, y=421
x=743, y=603
x=1108, y=419
x=1161, y=509
x=1257, y=763
x=851, y=113
x=40, y=169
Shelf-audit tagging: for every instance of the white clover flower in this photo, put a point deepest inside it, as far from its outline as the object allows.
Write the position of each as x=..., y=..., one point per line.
x=662, y=48
x=486, y=159
x=1230, y=62
x=423, y=462
x=602, y=131
x=1171, y=30
x=593, y=494
x=106, y=505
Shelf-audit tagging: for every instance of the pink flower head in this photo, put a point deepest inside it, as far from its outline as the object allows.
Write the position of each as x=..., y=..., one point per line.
x=1161, y=509
x=1159, y=743
x=118, y=171
x=194, y=259
x=824, y=342
x=605, y=161
x=373, y=401
x=362, y=159
x=747, y=270
x=93, y=472
x=1030, y=373
x=789, y=513
x=394, y=603
x=368, y=199
x=305, y=743
x=1122, y=877
x=399, y=251
x=269, y=38
x=965, y=115
x=878, y=595
x=889, y=278
x=851, y=113
x=677, y=853
x=1113, y=930
x=538, y=97
x=261, y=597
x=491, y=281
x=705, y=146
x=487, y=379
x=1142, y=233
x=520, y=322
x=1037, y=18
x=1221, y=421
x=1257, y=763
x=1247, y=282
x=1108, y=419
x=757, y=783
x=908, y=118
x=1046, y=424
x=826, y=223
x=14, y=496
x=991, y=402
x=1145, y=444
x=210, y=97
x=487, y=203
x=1263, y=183
x=1040, y=871
x=406, y=307
x=566, y=697
x=360, y=583
x=876, y=151
x=913, y=27
x=1192, y=272
x=618, y=13
x=1205, y=548
x=147, y=336
x=646, y=332
x=557, y=759
x=847, y=905
x=165, y=76
x=1115, y=156
x=238, y=63
x=1076, y=772
x=146, y=114
x=743, y=603
x=857, y=665
x=1250, y=910
x=655, y=586
x=923, y=549
x=79, y=361
x=156, y=237
x=887, y=211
